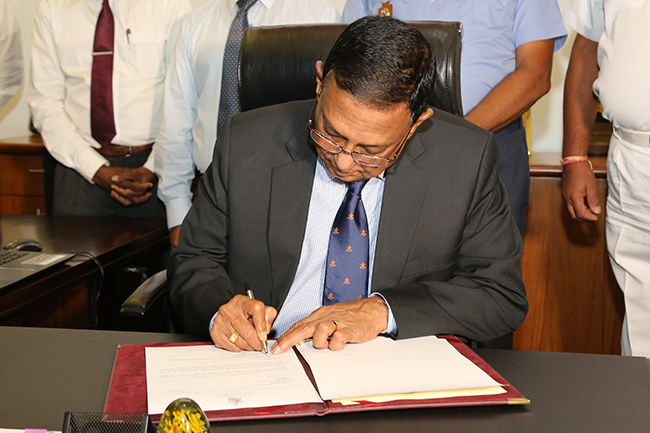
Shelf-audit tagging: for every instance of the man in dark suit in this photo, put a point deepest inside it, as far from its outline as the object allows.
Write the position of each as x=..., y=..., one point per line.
x=442, y=249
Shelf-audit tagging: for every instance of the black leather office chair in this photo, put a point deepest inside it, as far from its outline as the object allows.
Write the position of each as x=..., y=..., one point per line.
x=277, y=64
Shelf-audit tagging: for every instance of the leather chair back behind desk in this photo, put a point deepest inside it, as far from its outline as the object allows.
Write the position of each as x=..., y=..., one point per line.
x=277, y=64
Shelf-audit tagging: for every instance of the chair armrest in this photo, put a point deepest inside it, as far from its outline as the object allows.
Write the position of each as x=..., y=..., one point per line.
x=145, y=295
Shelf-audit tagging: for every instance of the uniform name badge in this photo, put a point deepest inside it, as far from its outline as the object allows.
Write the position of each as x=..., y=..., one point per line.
x=386, y=10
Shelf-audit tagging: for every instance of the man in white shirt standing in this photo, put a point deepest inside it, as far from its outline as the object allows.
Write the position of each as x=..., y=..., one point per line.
x=95, y=92
x=610, y=62
x=193, y=91
x=11, y=53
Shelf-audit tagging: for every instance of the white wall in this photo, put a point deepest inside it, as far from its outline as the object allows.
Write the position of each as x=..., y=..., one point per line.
x=546, y=114
x=14, y=117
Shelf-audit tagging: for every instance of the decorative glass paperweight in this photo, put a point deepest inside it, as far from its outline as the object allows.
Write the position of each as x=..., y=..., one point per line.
x=183, y=415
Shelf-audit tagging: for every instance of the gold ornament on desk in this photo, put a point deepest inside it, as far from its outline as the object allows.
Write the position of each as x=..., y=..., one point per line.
x=184, y=415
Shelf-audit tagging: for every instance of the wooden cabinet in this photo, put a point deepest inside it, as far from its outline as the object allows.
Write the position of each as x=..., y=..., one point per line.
x=21, y=176
x=575, y=302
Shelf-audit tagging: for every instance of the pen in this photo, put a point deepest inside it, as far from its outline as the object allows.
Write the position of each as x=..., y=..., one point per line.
x=249, y=292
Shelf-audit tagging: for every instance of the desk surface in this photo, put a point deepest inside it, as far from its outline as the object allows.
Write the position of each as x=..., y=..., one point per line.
x=44, y=372
x=110, y=240
x=101, y=237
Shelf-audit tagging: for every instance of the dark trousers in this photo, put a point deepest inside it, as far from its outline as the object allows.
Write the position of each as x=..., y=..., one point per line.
x=75, y=196
x=514, y=170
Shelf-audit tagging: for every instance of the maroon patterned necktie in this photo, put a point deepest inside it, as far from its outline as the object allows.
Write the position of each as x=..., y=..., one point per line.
x=102, y=120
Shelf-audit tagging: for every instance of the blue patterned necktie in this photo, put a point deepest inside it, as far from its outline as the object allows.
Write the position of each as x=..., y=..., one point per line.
x=346, y=276
x=229, y=102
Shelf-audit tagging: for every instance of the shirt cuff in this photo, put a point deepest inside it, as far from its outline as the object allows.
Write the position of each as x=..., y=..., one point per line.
x=176, y=210
x=212, y=322
x=391, y=329
x=93, y=162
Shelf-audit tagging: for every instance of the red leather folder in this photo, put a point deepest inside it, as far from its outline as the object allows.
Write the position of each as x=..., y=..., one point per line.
x=127, y=391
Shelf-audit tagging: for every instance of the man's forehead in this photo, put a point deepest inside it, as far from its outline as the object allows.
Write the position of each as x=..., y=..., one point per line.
x=332, y=93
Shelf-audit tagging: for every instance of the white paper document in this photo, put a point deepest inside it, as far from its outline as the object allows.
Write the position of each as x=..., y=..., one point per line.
x=217, y=379
x=384, y=366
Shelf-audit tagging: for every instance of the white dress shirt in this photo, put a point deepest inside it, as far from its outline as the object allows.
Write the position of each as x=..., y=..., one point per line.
x=11, y=53
x=59, y=94
x=188, y=123
x=621, y=29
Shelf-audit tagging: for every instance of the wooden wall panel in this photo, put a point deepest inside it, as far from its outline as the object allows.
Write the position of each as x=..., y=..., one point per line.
x=575, y=303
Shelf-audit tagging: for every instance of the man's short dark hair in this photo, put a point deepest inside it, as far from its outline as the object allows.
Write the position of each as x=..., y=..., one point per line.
x=383, y=61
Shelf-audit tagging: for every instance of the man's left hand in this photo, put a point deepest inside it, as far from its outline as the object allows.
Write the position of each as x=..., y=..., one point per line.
x=332, y=326
x=133, y=187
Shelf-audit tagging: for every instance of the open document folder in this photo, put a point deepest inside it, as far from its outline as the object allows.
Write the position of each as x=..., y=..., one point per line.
x=381, y=374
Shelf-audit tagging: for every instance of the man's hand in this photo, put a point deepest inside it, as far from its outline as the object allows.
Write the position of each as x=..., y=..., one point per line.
x=133, y=186
x=332, y=326
x=578, y=183
x=174, y=235
x=246, y=320
x=128, y=186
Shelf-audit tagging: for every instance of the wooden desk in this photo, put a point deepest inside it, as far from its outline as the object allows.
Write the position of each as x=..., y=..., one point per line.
x=575, y=303
x=50, y=371
x=67, y=295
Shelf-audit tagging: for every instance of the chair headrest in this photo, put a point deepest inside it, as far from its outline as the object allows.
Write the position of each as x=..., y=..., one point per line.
x=277, y=64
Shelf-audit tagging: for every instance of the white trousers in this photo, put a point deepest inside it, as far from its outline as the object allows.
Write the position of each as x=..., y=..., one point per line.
x=628, y=238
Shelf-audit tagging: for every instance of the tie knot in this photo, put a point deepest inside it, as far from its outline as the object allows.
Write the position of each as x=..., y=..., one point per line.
x=355, y=188
x=245, y=5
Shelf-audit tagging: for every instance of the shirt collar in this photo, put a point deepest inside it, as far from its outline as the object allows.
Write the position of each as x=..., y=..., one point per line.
x=326, y=176
x=233, y=3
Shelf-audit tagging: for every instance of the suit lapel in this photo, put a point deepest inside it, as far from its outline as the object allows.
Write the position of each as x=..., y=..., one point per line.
x=291, y=186
x=404, y=192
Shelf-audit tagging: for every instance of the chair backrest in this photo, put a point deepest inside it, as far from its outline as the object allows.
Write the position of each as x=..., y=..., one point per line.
x=277, y=64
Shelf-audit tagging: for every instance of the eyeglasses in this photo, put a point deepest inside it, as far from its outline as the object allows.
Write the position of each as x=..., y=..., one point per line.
x=361, y=158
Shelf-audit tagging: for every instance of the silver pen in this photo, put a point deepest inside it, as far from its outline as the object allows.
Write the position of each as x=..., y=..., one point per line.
x=249, y=292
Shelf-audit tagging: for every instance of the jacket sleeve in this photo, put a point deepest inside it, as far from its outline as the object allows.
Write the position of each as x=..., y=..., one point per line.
x=198, y=281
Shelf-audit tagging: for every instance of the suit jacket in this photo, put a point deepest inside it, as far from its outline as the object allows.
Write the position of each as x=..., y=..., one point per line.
x=448, y=249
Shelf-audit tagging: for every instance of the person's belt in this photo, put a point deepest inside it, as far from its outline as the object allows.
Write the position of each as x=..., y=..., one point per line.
x=640, y=138
x=116, y=150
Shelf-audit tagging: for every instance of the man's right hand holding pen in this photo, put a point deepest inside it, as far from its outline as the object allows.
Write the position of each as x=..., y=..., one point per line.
x=242, y=324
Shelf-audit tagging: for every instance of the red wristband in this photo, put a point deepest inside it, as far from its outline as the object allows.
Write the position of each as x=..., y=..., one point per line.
x=572, y=159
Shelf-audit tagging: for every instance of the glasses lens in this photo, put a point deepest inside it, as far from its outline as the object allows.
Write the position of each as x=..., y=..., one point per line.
x=324, y=142
x=361, y=158
x=370, y=161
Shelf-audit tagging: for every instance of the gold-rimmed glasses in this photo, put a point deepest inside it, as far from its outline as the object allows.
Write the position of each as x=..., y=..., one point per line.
x=361, y=158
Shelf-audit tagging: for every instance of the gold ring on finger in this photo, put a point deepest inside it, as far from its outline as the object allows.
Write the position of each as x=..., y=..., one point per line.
x=233, y=337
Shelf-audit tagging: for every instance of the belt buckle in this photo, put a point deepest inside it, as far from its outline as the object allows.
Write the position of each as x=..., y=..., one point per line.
x=130, y=151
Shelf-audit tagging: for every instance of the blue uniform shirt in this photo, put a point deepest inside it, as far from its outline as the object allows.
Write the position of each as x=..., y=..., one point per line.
x=492, y=31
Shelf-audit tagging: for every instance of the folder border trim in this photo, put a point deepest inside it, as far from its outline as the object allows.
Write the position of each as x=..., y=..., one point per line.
x=518, y=400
